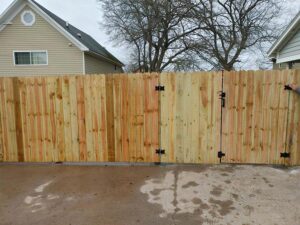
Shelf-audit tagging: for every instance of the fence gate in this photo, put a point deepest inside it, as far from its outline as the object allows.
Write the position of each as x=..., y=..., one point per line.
x=255, y=117
x=190, y=117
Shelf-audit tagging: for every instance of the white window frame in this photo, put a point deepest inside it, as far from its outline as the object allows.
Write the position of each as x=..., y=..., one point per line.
x=24, y=22
x=30, y=51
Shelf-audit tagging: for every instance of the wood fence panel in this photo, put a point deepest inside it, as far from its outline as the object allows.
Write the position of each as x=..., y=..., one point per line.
x=190, y=117
x=255, y=116
x=38, y=119
x=135, y=110
x=293, y=137
x=52, y=119
x=3, y=134
x=8, y=129
x=110, y=118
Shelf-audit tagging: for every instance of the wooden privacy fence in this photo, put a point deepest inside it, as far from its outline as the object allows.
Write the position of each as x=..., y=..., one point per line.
x=122, y=118
x=79, y=119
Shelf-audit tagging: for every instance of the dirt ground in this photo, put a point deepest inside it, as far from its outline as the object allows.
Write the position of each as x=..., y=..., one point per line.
x=148, y=195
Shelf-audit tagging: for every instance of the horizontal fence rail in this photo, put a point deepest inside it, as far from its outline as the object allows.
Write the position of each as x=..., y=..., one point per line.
x=169, y=117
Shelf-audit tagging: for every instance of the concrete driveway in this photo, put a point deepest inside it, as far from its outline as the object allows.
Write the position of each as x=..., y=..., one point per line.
x=98, y=195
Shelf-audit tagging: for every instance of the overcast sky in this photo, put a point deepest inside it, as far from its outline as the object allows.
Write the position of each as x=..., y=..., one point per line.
x=86, y=15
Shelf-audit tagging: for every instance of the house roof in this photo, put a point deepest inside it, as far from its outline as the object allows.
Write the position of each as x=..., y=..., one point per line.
x=286, y=35
x=84, y=41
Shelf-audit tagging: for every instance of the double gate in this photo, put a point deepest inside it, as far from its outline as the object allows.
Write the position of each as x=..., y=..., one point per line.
x=170, y=118
x=233, y=117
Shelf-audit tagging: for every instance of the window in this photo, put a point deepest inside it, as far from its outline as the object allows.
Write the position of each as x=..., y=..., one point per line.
x=28, y=18
x=31, y=58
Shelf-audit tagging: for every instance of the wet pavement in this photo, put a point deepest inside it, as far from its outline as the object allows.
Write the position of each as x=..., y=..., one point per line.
x=147, y=195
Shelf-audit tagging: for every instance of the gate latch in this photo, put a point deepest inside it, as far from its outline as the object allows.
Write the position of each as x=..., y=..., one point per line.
x=285, y=155
x=222, y=96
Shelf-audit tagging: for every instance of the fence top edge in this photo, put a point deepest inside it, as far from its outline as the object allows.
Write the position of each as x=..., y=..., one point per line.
x=150, y=73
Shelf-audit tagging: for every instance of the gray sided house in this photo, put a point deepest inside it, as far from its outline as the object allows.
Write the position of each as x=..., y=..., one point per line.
x=285, y=52
x=34, y=41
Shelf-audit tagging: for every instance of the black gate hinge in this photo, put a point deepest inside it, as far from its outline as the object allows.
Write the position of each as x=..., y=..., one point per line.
x=222, y=96
x=159, y=88
x=221, y=155
x=160, y=151
x=285, y=155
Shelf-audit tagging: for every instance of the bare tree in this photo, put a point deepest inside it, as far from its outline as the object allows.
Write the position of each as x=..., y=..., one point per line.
x=232, y=26
x=158, y=30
